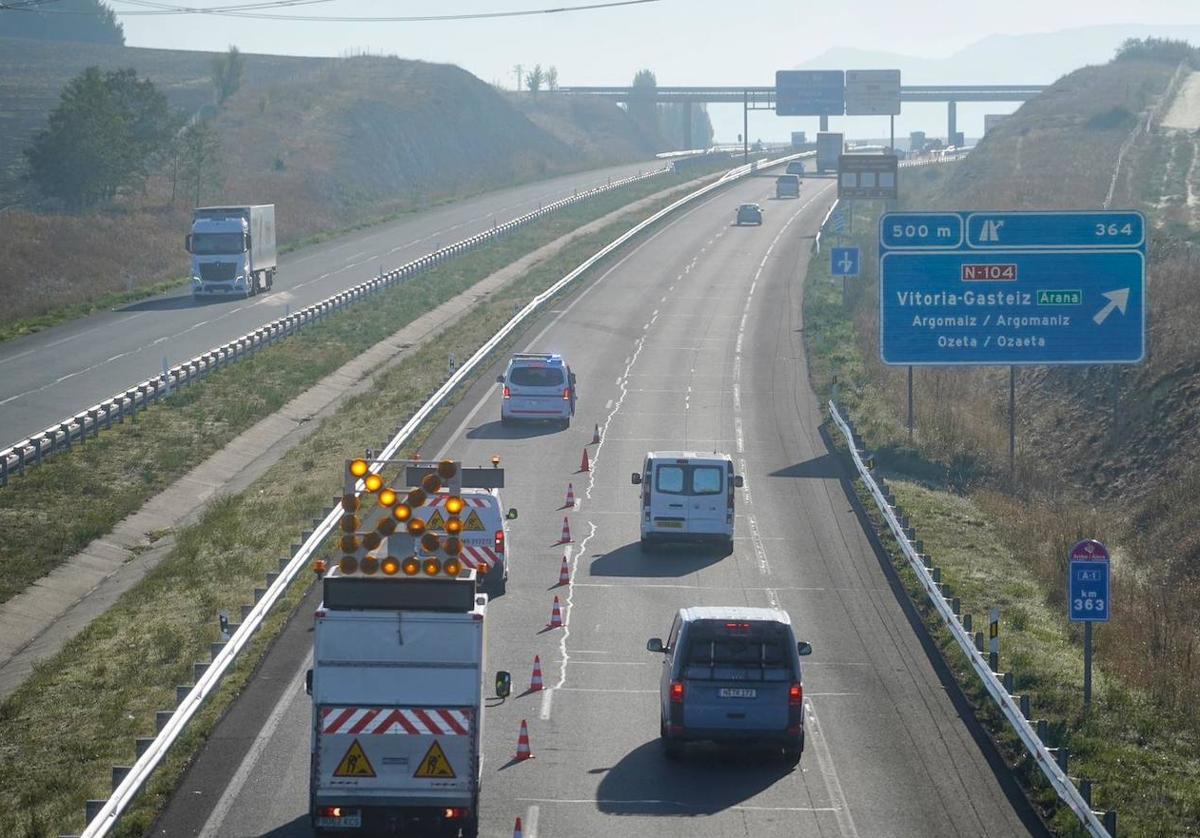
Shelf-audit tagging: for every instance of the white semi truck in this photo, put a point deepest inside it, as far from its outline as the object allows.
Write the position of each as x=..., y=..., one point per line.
x=233, y=250
x=397, y=717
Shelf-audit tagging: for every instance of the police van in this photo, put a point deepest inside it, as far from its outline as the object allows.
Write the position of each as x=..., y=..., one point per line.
x=687, y=496
x=537, y=387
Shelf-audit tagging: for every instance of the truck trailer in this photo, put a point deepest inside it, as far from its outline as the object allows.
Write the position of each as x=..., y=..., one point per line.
x=233, y=250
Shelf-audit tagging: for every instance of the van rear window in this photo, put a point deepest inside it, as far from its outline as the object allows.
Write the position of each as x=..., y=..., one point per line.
x=754, y=650
x=689, y=480
x=536, y=377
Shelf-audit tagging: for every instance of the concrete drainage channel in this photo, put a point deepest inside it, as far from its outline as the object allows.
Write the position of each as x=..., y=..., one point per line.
x=1052, y=762
x=76, y=430
x=127, y=781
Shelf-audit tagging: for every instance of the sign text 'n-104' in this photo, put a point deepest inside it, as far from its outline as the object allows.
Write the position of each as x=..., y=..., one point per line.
x=1012, y=288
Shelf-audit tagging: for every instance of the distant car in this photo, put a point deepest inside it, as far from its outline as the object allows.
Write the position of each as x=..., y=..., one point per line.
x=796, y=167
x=537, y=387
x=749, y=214
x=787, y=186
x=731, y=675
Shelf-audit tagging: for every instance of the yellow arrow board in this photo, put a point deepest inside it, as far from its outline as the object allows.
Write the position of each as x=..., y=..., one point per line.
x=355, y=763
x=434, y=764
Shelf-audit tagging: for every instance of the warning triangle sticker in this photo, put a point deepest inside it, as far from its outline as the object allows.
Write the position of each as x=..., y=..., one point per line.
x=434, y=764
x=435, y=521
x=473, y=523
x=354, y=763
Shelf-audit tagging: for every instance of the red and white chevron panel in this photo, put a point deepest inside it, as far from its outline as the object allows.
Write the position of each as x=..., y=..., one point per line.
x=377, y=721
x=470, y=500
x=473, y=556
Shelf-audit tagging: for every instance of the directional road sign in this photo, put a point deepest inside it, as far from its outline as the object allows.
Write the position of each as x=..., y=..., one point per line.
x=1012, y=288
x=837, y=220
x=844, y=261
x=810, y=92
x=1087, y=583
x=872, y=92
x=867, y=176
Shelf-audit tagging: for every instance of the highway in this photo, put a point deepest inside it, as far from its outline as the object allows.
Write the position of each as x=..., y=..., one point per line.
x=694, y=339
x=58, y=372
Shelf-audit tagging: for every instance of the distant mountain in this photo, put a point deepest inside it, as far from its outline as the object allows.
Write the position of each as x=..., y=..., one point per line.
x=1005, y=59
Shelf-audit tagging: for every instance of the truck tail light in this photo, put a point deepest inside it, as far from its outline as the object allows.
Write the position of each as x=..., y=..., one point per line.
x=677, y=692
x=499, y=541
x=795, y=695
x=507, y=392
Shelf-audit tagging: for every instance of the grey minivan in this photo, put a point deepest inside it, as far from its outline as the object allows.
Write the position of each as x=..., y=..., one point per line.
x=731, y=675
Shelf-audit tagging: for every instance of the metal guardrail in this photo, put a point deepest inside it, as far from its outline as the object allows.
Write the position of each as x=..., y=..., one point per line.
x=76, y=429
x=124, y=794
x=1068, y=794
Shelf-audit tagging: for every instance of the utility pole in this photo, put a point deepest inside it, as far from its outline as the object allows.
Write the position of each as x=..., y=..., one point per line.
x=519, y=70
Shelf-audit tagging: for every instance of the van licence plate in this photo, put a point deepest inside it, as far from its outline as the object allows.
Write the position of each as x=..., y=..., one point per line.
x=347, y=821
x=671, y=524
x=737, y=692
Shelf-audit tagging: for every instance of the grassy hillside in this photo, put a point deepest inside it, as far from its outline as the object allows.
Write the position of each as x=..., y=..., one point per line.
x=334, y=143
x=1105, y=451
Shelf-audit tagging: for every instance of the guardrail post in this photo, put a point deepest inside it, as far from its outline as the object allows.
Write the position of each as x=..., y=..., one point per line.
x=161, y=719
x=1007, y=680
x=142, y=744
x=1110, y=823
x=1043, y=730
x=956, y=606
x=978, y=641
x=119, y=773
x=65, y=427
x=1062, y=755
x=4, y=470
x=91, y=808
x=966, y=623
x=1026, y=710
x=1085, y=791
x=181, y=691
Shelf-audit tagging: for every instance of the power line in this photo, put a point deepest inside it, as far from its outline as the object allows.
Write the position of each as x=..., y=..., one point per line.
x=244, y=11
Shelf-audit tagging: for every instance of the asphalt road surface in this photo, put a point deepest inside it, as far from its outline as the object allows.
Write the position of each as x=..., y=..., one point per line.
x=58, y=372
x=693, y=340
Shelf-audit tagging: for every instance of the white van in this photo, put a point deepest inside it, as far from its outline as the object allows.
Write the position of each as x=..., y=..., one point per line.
x=486, y=546
x=687, y=496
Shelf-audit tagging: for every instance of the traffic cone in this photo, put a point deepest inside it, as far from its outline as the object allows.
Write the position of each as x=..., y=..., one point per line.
x=555, y=616
x=564, y=572
x=523, y=751
x=566, y=533
x=583, y=464
x=517, y=829
x=535, y=682
x=596, y=435
x=569, y=503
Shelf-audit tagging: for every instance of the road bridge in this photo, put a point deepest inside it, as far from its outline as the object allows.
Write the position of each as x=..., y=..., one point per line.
x=762, y=97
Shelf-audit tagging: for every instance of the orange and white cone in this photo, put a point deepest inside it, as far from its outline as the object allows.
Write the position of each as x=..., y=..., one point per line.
x=517, y=829
x=564, y=572
x=596, y=435
x=523, y=751
x=566, y=533
x=555, y=616
x=583, y=463
x=535, y=682
x=569, y=503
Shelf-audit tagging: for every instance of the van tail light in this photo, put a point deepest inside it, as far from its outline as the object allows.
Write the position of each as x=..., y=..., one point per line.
x=796, y=695
x=566, y=394
x=507, y=392
x=677, y=692
x=500, y=541
x=455, y=814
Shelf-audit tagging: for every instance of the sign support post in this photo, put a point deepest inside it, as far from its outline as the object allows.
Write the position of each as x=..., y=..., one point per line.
x=1012, y=420
x=1087, y=667
x=910, y=404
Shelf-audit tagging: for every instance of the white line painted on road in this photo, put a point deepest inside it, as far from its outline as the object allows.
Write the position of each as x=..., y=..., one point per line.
x=531, y=822
x=816, y=736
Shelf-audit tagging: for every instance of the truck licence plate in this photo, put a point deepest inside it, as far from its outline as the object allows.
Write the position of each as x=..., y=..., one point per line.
x=347, y=821
x=736, y=692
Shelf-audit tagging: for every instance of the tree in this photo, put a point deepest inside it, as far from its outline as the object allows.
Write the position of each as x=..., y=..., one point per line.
x=642, y=102
x=535, y=78
x=552, y=78
x=200, y=155
x=88, y=21
x=1158, y=49
x=105, y=133
x=227, y=70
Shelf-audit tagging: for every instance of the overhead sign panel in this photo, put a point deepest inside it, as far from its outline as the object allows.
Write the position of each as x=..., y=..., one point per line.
x=872, y=92
x=810, y=92
x=1012, y=288
x=867, y=175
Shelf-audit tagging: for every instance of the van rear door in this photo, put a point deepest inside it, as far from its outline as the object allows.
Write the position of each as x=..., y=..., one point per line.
x=669, y=501
x=737, y=676
x=709, y=499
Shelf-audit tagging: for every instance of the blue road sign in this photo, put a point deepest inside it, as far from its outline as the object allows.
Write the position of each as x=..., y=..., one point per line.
x=837, y=220
x=844, y=261
x=810, y=92
x=1087, y=583
x=996, y=288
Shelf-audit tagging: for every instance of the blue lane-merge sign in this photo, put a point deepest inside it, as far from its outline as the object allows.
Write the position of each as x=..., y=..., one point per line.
x=843, y=261
x=1012, y=288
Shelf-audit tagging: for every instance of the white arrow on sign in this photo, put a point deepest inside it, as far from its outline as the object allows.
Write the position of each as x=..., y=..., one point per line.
x=1116, y=299
x=846, y=264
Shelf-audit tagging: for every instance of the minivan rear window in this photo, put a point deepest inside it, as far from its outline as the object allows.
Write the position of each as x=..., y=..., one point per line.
x=673, y=479
x=536, y=376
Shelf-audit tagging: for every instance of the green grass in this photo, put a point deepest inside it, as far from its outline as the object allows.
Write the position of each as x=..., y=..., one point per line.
x=1144, y=760
x=57, y=508
x=80, y=711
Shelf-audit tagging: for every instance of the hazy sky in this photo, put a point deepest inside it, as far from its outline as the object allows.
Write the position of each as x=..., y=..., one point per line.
x=683, y=41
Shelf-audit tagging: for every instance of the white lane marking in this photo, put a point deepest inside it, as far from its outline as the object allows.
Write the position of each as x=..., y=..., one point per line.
x=608, y=404
x=816, y=737
x=530, y=825
x=606, y=690
x=673, y=804
x=18, y=355
x=216, y=819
